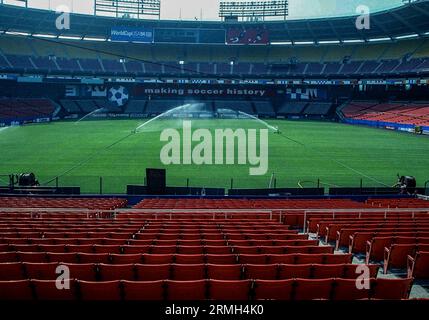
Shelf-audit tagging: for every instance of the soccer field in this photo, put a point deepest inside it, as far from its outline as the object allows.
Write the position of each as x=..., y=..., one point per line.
x=337, y=154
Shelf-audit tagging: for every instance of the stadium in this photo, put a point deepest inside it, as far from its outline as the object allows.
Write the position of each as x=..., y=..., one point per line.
x=259, y=156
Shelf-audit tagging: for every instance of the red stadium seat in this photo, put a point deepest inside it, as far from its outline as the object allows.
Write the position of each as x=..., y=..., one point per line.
x=280, y=258
x=24, y=247
x=107, y=249
x=35, y=257
x=261, y=272
x=150, y=272
x=56, y=248
x=217, y=250
x=188, y=272
x=41, y=271
x=245, y=250
x=94, y=257
x=82, y=271
x=86, y=248
x=311, y=289
x=11, y=271
x=189, y=259
x=47, y=290
x=134, y=249
x=229, y=290
x=337, y=258
x=117, y=242
x=126, y=258
x=158, y=258
x=271, y=250
x=15, y=290
x=190, y=249
x=346, y=289
x=8, y=257
x=350, y=270
x=163, y=249
x=62, y=257
x=418, y=267
x=391, y=289
x=117, y=272
x=303, y=258
x=326, y=271
x=290, y=271
x=221, y=258
x=252, y=259
x=273, y=290
x=143, y=290
x=186, y=290
x=108, y=290
x=224, y=272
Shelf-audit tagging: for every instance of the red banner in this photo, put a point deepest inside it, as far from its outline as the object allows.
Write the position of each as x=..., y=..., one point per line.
x=247, y=36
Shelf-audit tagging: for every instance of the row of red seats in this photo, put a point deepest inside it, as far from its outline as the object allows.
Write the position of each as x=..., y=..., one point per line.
x=330, y=229
x=238, y=290
x=148, y=242
x=246, y=204
x=72, y=257
x=343, y=236
x=153, y=272
x=398, y=203
x=66, y=241
x=220, y=236
x=396, y=255
x=361, y=242
x=87, y=203
x=343, y=231
x=376, y=244
x=318, y=224
x=244, y=234
x=158, y=249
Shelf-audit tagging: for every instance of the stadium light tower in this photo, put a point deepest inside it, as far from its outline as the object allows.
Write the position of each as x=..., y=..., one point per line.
x=137, y=9
x=253, y=10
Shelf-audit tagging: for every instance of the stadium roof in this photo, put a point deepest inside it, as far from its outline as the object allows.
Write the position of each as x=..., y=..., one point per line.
x=410, y=20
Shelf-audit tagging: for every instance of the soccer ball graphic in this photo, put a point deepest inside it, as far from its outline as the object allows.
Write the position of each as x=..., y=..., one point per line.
x=118, y=96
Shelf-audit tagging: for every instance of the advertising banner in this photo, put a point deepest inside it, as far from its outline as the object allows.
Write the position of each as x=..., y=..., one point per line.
x=169, y=90
x=127, y=34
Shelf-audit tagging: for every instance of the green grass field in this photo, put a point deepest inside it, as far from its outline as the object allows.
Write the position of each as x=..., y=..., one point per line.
x=77, y=154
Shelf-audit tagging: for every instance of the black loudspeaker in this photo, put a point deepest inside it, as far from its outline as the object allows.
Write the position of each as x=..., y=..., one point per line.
x=156, y=181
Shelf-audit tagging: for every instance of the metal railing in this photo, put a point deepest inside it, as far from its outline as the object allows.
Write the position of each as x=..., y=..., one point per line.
x=386, y=212
x=272, y=214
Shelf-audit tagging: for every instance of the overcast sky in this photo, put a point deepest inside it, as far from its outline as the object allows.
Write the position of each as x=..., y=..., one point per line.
x=208, y=9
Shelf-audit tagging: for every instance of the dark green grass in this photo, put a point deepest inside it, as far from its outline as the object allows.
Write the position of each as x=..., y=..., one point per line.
x=77, y=154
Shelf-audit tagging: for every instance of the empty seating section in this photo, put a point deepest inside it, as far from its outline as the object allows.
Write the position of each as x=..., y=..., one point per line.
x=399, y=113
x=136, y=106
x=291, y=289
x=88, y=106
x=25, y=109
x=292, y=107
x=161, y=106
x=362, y=59
x=235, y=106
x=318, y=109
x=264, y=108
x=135, y=255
